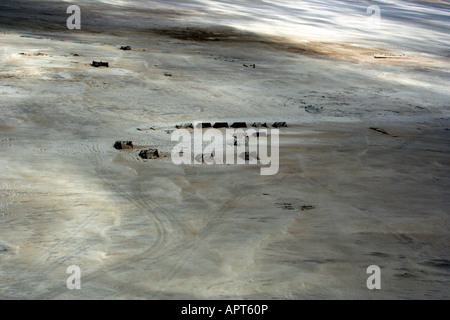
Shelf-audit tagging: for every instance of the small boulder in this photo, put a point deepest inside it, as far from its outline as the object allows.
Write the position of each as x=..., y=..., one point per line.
x=279, y=124
x=239, y=125
x=259, y=124
x=119, y=145
x=149, y=154
x=98, y=64
x=218, y=125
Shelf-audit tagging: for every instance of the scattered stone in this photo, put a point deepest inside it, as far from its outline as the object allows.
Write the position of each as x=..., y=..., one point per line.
x=218, y=125
x=250, y=65
x=167, y=74
x=33, y=54
x=98, y=64
x=307, y=207
x=149, y=154
x=119, y=145
x=239, y=125
x=259, y=124
x=125, y=48
x=279, y=124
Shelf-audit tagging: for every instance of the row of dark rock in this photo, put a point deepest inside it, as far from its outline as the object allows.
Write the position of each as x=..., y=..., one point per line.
x=144, y=154
x=98, y=64
x=236, y=125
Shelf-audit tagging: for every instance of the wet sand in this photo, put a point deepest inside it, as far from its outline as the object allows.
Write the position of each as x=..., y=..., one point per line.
x=154, y=230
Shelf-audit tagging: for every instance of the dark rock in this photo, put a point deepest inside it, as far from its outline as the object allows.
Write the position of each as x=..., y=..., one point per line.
x=239, y=125
x=259, y=124
x=119, y=145
x=98, y=64
x=220, y=125
x=307, y=207
x=279, y=124
x=149, y=154
x=125, y=48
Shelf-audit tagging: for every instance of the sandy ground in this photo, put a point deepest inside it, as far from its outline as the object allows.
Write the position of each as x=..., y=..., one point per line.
x=154, y=230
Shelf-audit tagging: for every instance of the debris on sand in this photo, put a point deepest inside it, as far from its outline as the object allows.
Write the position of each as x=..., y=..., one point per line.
x=280, y=124
x=167, y=74
x=259, y=124
x=149, y=154
x=218, y=125
x=98, y=64
x=185, y=126
x=307, y=207
x=126, y=48
x=239, y=125
x=313, y=110
x=120, y=145
x=381, y=131
x=250, y=65
x=33, y=54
